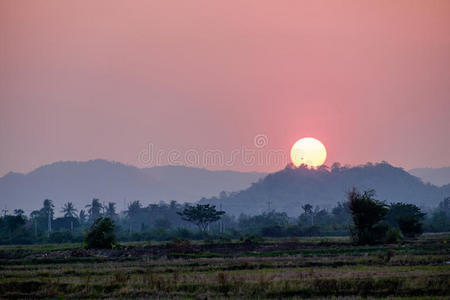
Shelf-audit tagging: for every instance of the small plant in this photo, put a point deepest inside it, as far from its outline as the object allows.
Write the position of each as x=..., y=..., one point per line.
x=386, y=256
x=224, y=284
x=120, y=277
x=101, y=234
x=392, y=236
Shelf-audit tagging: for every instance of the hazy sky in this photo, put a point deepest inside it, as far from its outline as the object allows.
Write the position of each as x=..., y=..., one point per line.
x=104, y=79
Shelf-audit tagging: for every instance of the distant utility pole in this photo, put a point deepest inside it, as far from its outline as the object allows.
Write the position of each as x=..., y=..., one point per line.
x=35, y=227
x=49, y=222
x=221, y=229
x=268, y=205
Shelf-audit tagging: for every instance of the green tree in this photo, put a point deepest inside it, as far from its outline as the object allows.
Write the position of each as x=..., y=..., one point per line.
x=82, y=216
x=134, y=209
x=94, y=209
x=18, y=212
x=101, y=234
x=407, y=217
x=48, y=208
x=201, y=215
x=367, y=214
x=69, y=210
x=111, y=211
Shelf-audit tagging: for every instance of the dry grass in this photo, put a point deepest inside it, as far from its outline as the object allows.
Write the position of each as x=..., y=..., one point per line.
x=409, y=271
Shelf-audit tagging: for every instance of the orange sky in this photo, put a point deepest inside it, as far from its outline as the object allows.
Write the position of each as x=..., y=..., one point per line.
x=103, y=79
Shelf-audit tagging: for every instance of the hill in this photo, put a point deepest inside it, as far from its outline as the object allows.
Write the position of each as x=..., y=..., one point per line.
x=436, y=176
x=292, y=187
x=79, y=182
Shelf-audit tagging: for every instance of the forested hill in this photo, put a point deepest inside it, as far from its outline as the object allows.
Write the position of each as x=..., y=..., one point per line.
x=79, y=182
x=292, y=187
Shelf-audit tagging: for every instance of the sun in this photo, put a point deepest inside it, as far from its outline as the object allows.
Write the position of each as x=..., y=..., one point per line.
x=308, y=151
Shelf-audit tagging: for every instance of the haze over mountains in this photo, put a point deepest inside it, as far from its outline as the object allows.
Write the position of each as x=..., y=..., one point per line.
x=248, y=193
x=79, y=182
x=436, y=176
x=290, y=188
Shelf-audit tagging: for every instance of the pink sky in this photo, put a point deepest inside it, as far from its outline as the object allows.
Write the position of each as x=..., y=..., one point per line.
x=102, y=79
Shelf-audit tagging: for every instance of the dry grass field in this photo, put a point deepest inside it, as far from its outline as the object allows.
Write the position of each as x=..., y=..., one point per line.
x=266, y=269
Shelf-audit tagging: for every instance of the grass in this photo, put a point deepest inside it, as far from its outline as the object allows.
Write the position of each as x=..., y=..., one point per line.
x=319, y=269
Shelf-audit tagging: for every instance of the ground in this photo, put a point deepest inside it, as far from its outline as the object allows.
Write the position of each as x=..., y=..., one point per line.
x=294, y=268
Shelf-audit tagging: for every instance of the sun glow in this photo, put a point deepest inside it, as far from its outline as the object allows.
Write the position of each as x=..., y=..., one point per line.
x=308, y=151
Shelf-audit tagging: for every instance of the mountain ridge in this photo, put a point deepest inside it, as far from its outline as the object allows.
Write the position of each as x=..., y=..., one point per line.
x=288, y=189
x=436, y=176
x=80, y=181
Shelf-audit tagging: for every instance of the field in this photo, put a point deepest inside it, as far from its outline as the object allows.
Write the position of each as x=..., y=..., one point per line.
x=302, y=268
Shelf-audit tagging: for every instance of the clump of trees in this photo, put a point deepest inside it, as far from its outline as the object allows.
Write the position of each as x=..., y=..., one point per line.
x=364, y=218
x=101, y=234
x=201, y=215
x=375, y=222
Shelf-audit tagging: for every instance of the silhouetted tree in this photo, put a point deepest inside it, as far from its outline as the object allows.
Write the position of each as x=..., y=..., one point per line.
x=367, y=214
x=48, y=208
x=134, y=208
x=201, y=215
x=407, y=217
x=111, y=211
x=69, y=210
x=18, y=212
x=82, y=216
x=101, y=234
x=308, y=211
x=94, y=209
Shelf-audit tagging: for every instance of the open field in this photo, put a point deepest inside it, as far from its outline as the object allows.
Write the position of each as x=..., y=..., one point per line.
x=269, y=269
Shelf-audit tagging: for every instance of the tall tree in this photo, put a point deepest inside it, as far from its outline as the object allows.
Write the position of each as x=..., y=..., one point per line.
x=69, y=210
x=407, y=217
x=201, y=215
x=48, y=212
x=134, y=208
x=308, y=211
x=94, y=209
x=111, y=211
x=18, y=212
x=48, y=209
x=367, y=214
x=82, y=216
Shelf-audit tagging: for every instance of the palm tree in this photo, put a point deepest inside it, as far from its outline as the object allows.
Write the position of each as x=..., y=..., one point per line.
x=133, y=209
x=82, y=216
x=69, y=210
x=47, y=209
x=111, y=210
x=94, y=209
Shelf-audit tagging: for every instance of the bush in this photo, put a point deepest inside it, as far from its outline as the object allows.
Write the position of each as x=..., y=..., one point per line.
x=407, y=217
x=101, y=234
x=392, y=236
x=61, y=237
x=367, y=214
x=411, y=227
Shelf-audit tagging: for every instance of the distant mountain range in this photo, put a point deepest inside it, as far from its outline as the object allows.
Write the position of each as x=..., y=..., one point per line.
x=249, y=193
x=290, y=188
x=436, y=176
x=79, y=182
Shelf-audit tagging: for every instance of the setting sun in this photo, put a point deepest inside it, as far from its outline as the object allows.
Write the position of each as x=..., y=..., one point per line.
x=308, y=151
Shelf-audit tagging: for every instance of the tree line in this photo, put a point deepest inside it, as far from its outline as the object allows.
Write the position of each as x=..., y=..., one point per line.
x=364, y=218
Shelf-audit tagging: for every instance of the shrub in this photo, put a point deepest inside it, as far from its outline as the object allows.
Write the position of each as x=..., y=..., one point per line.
x=61, y=237
x=407, y=217
x=101, y=234
x=392, y=236
x=367, y=214
x=410, y=226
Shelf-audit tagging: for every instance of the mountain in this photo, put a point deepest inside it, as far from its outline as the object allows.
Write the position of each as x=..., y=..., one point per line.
x=79, y=182
x=292, y=187
x=436, y=176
